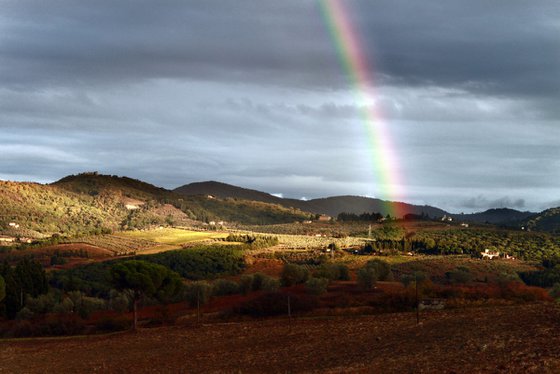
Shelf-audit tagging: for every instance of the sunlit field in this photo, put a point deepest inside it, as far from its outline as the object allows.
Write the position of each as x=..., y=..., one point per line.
x=172, y=236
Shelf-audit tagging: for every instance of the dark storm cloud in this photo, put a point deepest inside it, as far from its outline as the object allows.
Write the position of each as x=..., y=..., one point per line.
x=252, y=93
x=480, y=202
x=478, y=45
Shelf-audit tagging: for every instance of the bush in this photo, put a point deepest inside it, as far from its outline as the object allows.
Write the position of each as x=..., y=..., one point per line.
x=64, y=306
x=119, y=301
x=25, y=313
x=332, y=272
x=270, y=284
x=408, y=279
x=459, y=275
x=197, y=292
x=41, y=304
x=246, y=284
x=381, y=268
x=222, y=287
x=316, y=286
x=555, y=291
x=274, y=304
x=119, y=323
x=293, y=274
x=367, y=277
x=258, y=282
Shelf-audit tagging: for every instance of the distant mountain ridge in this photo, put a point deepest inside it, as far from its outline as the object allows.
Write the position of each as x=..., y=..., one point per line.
x=503, y=216
x=91, y=202
x=330, y=205
x=547, y=220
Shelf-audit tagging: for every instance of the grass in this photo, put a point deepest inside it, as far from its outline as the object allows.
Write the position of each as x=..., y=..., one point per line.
x=172, y=236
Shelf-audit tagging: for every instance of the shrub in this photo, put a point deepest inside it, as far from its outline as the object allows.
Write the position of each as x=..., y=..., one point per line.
x=332, y=272
x=555, y=291
x=246, y=284
x=41, y=304
x=367, y=277
x=64, y=306
x=459, y=275
x=275, y=303
x=119, y=301
x=25, y=313
x=408, y=279
x=293, y=274
x=382, y=269
x=270, y=284
x=119, y=323
x=197, y=292
x=258, y=282
x=222, y=287
x=258, y=279
x=316, y=286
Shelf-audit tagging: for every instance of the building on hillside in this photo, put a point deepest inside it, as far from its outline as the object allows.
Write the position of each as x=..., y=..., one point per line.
x=6, y=240
x=490, y=254
x=324, y=218
x=14, y=225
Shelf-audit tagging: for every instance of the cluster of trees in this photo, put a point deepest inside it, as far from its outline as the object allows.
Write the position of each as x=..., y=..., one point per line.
x=195, y=263
x=26, y=278
x=523, y=245
x=253, y=241
x=364, y=217
x=373, y=271
x=242, y=211
x=549, y=276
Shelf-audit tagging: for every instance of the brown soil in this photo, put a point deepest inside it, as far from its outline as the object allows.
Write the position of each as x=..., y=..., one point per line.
x=506, y=339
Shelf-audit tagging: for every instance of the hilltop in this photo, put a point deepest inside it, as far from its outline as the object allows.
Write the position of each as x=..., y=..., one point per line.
x=331, y=205
x=93, y=203
x=503, y=216
x=547, y=220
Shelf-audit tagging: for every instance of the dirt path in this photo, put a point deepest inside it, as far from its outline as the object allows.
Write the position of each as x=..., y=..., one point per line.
x=519, y=339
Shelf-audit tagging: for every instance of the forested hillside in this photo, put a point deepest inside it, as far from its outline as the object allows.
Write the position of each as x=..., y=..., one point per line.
x=91, y=203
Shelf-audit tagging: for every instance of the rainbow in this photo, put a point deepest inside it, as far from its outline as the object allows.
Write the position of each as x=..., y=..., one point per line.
x=359, y=70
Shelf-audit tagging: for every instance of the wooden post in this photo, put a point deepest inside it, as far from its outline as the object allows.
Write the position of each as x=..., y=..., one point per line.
x=135, y=306
x=417, y=302
x=198, y=306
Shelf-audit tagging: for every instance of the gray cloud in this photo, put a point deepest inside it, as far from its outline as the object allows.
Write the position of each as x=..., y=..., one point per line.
x=252, y=93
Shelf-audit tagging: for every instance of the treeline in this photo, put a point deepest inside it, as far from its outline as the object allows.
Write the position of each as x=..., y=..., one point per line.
x=253, y=241
x=27, y=278
x=203, y=262
x=364, y=217
x=549, y=276
x=522, y=245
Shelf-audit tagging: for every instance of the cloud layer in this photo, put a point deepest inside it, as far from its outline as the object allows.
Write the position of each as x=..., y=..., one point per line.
x=252, y=93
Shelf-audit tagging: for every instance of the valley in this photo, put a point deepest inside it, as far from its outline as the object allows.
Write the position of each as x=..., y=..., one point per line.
x=144, y=276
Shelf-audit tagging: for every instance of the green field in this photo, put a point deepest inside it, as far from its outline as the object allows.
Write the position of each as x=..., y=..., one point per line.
x=172, y=236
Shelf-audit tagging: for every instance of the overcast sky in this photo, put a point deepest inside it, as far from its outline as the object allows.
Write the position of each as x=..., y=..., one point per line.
x=251, y=93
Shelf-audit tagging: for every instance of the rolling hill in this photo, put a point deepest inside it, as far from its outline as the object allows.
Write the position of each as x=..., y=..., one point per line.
x=547, y=220
x=331, y=205
x=93, y=203
x=502, y=216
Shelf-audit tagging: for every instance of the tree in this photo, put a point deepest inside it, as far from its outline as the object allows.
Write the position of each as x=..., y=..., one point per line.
x=2, y=288
x=367, y=277
x=141, y=278
x=293, y=274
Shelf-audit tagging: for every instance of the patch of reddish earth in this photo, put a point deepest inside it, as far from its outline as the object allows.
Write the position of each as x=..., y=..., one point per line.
x=510, y=339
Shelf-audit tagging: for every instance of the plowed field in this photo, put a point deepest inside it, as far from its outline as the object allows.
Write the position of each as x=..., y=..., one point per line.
x=505, y=339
